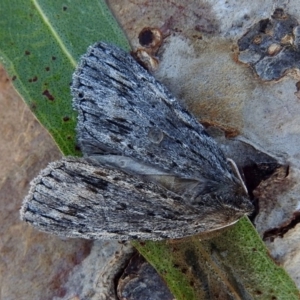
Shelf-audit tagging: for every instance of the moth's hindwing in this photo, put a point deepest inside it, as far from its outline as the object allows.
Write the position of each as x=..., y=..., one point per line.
x=74, y=198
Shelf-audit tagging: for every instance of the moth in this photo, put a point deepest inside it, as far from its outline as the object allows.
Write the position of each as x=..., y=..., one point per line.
x=150, y=170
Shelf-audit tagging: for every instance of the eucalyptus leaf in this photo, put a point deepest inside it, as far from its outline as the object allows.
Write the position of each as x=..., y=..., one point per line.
x=40, y=44
x=228, y=264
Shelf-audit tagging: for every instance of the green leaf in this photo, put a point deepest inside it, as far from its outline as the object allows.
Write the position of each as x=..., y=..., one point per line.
x=234, y=262
x=40, y=44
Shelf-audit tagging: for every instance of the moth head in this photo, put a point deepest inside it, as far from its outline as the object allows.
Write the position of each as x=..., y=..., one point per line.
x=224, y=206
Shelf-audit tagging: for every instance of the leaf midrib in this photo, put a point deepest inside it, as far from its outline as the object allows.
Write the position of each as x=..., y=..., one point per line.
x=55, y=34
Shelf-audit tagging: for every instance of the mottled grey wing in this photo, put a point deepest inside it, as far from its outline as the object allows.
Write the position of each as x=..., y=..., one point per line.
x=73, y=198
x=124, y=110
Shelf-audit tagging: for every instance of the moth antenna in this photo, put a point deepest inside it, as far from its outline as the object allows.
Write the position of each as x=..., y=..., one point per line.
x=237, y=173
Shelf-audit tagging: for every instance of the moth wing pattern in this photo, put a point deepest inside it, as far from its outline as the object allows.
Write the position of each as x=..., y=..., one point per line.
x=74, y=198
x=124, y=110
x=126, y=116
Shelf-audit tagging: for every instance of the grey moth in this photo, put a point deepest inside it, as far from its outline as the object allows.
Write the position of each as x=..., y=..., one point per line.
x=150, y=170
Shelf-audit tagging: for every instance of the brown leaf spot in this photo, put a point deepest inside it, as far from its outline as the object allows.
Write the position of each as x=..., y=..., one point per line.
x=47, y=69
x=65, y=8
x=14, y=78
x=66, y=118
x=192, y=283
x=34, y=79
x=184, y=270
x=33, y=106
x=53, y=57
x=48, y=95
x=27, y=52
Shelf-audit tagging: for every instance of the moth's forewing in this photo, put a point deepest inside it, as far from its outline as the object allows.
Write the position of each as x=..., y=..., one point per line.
x=124, y=110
